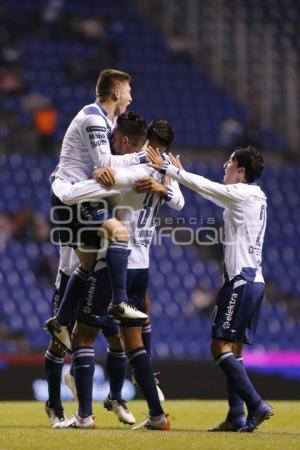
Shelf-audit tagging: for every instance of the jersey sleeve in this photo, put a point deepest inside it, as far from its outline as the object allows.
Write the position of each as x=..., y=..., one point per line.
x=82, y=191
x=175, y=198
x=221, y=194
x=95, y=136
x=91, y=190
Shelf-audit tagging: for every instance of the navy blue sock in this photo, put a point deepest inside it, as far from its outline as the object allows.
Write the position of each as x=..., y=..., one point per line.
x=117, y=260
x=236, y=404
x=143, y=373
x=116, y=366
x=84, y=368
x=53, y=369
x=238, y=379
x=72, y=295
x=146, y=336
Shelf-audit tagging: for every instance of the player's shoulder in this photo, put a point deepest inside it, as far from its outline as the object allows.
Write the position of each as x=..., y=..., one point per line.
x=251, y=190
x=91, y=117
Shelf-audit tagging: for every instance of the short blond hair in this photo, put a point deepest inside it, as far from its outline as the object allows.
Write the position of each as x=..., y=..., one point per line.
x=107, y=80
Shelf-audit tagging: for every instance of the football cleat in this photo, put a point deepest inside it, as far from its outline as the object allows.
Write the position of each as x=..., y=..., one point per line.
x=70, y=383
x=160, y=423
x=230, y=424
x=75, y=421
x=119, y=407
x=256, y=417
x=125, y=310
x=60, y=333
x=56, y=415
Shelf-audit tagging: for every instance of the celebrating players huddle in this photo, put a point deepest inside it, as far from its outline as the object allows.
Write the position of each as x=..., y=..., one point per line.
x=112, y=177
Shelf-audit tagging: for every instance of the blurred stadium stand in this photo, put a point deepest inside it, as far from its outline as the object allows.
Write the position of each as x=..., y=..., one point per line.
x=53, y=58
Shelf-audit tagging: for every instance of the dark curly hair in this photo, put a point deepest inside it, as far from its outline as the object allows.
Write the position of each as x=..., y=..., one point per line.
x=162, y=132
x=252, y=161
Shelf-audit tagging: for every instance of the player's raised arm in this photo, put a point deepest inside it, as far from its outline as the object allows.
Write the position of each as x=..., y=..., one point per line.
x=95, y=135
x=169, y=191
x=222, y=195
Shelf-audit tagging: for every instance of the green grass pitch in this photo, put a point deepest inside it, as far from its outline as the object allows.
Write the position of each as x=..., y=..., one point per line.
x=24, y=426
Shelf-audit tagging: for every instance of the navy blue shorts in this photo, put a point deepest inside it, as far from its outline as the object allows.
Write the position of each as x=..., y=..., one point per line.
x=93, y=306
x=237, y=309
x=137, y=285
x=77, y=225
x=93, y=309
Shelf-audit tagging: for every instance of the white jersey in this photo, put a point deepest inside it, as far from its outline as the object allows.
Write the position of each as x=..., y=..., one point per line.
x=140, y=218
x=245, y=213
x=139, y=213
x=86, y=146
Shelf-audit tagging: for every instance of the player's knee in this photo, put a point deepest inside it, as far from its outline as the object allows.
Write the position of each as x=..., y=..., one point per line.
x=114, y=342
x=116, y=230
x=120, y=233
x=218, y=347
x=83, y=336
x=79, y=340
x=132, y=338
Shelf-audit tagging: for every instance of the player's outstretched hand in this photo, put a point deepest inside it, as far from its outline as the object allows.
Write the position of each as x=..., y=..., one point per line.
x=154, y=158
x=175, y=161
x=105, y=175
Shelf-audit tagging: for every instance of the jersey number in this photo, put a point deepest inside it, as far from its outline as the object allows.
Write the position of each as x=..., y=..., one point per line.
x=262, y=216
x=146, y=211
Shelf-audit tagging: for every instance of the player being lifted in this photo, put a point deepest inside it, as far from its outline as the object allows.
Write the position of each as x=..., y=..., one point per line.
x=139, y=211
x=86, y=146
x=238, y=303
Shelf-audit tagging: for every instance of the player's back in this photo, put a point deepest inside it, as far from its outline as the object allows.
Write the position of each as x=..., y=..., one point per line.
x=139, y=212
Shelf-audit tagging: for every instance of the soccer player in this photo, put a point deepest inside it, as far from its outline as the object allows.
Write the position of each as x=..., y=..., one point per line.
x=239, y=300
x=86, y=146
x=140, y=213
x=55, y=354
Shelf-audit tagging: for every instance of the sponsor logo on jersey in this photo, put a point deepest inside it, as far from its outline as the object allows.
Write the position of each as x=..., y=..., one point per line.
x=97, y=138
